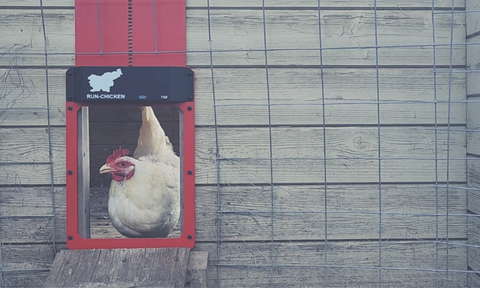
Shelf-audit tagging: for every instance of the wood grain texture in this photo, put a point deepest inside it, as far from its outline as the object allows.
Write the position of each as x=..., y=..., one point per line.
x=24, y=97
x=297, y=155
x=474, y=202
x=473, y=126
x=27, y=215
x=29, y=149
x=409, y=209
x=473, y=140
x=27, y=265
x=243, y=32
x=246, y=213
x=271, y=3
x=299, y=212
x=22, y=279
x=472, y=18
x=36, y=261
x=473, y=171
x=34, y=3
x=302, y=264
x=120, y=265
x=474, y=243
x=337, y=3
x=473, y=280
x=409, y=212
x=29, y=256
x=33, y=146
x=473, y=50
x=32, y=201
x=473, y=64
x=33, y=229
x=295, y=92
x=156, y=284
x=22, y=41
x=197, y=273
x=289, y=30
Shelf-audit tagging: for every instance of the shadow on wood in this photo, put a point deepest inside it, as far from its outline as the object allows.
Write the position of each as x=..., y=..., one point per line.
x=156, y=267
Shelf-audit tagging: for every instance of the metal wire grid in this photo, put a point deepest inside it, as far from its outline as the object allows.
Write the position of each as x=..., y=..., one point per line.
x=24, y=89
x=272, y=213
x=271, y=210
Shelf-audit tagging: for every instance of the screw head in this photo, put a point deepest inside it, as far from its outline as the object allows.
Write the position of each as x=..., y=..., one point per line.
x=70, y=172
x=189, y=73
x=189, y=108
x=189, y=237
x=69, y=73
x=190, y=98
x=189, y=172
x=70, y=237
x=70, y=108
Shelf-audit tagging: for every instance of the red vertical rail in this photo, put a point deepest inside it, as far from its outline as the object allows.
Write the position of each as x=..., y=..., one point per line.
x=131, y=33
x=167, y=35
x=102, y=33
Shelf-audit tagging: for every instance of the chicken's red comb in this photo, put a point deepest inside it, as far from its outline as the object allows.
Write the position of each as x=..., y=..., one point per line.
x=117, y=154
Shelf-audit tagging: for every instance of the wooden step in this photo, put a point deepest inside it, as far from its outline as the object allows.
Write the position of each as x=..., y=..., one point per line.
x=152, y=267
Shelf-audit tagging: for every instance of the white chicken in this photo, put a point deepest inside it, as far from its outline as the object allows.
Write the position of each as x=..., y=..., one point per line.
x=144, y=196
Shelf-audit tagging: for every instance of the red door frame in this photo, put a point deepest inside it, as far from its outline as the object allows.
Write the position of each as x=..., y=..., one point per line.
x=122, y=33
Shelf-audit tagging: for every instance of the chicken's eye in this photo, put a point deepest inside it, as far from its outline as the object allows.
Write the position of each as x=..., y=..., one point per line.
x=123, y=164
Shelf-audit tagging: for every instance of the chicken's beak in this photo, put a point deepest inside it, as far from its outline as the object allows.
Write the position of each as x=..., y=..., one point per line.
x=106, y=169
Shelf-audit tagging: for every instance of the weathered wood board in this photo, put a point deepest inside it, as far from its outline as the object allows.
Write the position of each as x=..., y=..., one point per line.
x=33, y=257
x=241, y=97
x=301, y=264
x=351, y=155
x=24, y=102
x=22, y=41
x=350, y=264
x=197, y=272
x=299, y=214
x=409, y=213
x=27, y=265
x=120, y=265
x=272, y=3
x=295, y=94
x=474, y=242
x=473, y=49
x=239, y=41
x=473, y=280
x=33, y=3
x=36, y=260
x=348, y=4
x=258, y=246
x=473, y=139
x=295, y=42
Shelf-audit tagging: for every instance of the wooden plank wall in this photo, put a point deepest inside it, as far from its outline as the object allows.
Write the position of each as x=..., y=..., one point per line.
x=264, y=223
x=473, y=139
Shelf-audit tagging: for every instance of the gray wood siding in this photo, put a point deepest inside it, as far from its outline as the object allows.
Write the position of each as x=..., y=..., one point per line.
x=242, y=255
x=473, y=152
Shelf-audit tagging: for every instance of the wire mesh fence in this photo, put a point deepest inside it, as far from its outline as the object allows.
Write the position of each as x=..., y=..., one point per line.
x=336, y=140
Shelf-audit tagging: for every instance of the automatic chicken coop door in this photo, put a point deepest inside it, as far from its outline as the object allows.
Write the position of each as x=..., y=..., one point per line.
x=130, y=56
x=109, y=118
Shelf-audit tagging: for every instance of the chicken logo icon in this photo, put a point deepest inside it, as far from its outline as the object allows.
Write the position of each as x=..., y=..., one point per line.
x=105, y=81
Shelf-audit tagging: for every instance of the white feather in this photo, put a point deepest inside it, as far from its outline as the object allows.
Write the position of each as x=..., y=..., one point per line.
x=148, y=204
